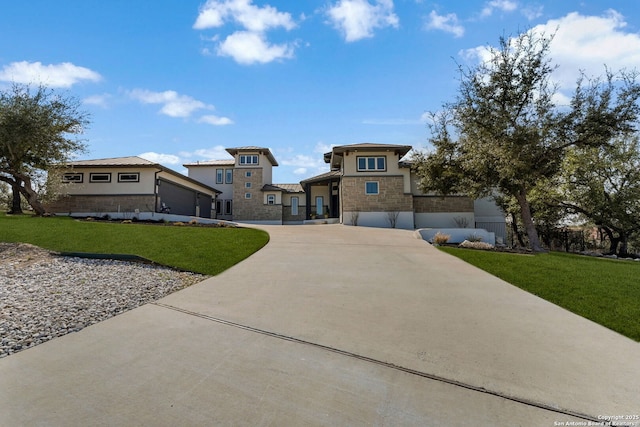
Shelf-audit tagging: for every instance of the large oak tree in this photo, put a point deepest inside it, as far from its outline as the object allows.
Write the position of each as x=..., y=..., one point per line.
x=504, y=133
x=38, y=130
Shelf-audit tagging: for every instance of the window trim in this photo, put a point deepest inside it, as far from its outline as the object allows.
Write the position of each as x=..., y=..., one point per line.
x=133, y=174
x=247, y=174
x=93, y=175
x=247, y=195
x=228, y=176
x=219, y=176
x=247, y=185
x=66, y=175
x=367, y=159
x=228, y=207
x=366, y=188
x=271, y=199
x=294, y=206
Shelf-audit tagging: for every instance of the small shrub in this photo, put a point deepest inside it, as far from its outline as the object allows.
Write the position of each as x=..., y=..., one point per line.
x=440, y=238
x=127, y=221
x=178, y=223
x=475, y=245
x=461, y=221
x=474, y=238
x=193, y=222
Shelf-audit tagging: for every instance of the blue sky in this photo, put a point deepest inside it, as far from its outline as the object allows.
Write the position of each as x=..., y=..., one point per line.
x=180, y=81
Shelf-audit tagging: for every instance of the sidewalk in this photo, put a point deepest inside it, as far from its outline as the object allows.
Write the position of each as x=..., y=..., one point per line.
x=331, y=325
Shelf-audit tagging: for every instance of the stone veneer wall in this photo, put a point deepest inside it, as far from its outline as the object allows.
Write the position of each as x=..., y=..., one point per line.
x=439, y=204
x=287, y=216
x=391, y=197
x=253, y=209
x=106, y=203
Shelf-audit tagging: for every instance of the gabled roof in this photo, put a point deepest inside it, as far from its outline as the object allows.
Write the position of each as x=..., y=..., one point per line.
x=134, y=161
x=114, y=161
x=367, y=147
x=226, y=162
x=285, y=188
x=253, y=149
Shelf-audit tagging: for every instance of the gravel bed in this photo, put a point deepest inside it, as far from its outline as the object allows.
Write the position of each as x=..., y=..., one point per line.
x=44, y=296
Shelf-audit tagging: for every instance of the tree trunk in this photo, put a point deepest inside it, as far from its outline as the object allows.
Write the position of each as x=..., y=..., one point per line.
x=16, y=201
x=615, y=241
x=29, y=193
x=527, y=220
x=516, y=230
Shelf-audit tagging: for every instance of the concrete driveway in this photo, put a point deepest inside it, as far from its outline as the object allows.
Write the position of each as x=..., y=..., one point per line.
x=331, y=325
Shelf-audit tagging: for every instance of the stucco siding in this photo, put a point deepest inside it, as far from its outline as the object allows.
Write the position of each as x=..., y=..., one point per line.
x=432, y=204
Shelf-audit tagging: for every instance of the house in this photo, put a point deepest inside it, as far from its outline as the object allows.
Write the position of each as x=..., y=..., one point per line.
x=131, y=186
x=367, y=184
x=248, y=192
x=371, y=185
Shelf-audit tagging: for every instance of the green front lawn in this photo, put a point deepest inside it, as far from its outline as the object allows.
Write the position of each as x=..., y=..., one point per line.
x=204, y=250
x=602, y=290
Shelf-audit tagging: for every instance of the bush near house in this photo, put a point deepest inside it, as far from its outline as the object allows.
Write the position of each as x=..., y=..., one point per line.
x=602, y=290
x=205, y=250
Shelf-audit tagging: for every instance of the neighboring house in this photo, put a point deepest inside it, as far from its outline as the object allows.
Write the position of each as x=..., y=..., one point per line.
x=248, y=193
x=131, y=187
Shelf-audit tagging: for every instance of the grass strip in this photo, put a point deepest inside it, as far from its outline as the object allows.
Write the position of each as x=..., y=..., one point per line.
x=602, y=290
x=204, y=250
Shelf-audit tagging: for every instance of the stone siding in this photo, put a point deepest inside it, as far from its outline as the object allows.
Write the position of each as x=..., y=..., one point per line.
x=391, y=197
x=287, y=216
x=107, y=203
x=253, y=209
x=439, y=204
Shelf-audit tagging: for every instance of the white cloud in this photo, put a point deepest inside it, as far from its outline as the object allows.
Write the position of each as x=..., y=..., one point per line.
x=586, y=43
x=532, y=12
x=215, y=120
x=250, y=45
x=253, y=18
x=54, y=75
x=214, y=153
x=173, y=104
x=502, y=5
x=305, y=164
x=357, y=19
x=248, y=48
x=448, y=23
x=163, y=159
x=99, y=100
x=322, y=147
x=300, y=171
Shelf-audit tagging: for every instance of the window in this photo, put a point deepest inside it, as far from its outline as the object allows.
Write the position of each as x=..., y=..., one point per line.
x=227, y=207
x=247, y=174
x=247, y=185
x=72, y=177
x=249, y=159
x=100, y=177
x=229, y=176
x=218, y=207
x=247, y=195
x=219, y=173
x=372, y=164
x=294, y=205
x=371, y=187
x=271, y=199
x=128, y=177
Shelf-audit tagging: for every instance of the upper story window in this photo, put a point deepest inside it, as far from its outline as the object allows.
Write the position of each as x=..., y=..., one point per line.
x=271, y=199
x=229, y=176
x=219, y=176
x=100, y=177
x=247, y=174
x=72, y=177
x=372, y=163
x=249, y=159
x=128, y=177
